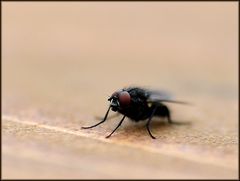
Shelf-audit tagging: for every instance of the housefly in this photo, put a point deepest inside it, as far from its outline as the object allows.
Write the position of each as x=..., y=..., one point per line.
x=138, y=104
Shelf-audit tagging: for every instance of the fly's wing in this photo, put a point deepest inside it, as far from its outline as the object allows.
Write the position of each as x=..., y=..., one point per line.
x=156, y=96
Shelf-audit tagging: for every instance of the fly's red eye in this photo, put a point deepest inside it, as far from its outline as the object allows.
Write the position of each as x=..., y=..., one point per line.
x=124, y=98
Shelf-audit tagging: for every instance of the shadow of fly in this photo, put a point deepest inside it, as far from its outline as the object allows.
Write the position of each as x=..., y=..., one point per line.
x=139, y=104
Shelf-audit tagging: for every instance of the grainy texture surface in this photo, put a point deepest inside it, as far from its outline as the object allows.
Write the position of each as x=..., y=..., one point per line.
x=62, y=60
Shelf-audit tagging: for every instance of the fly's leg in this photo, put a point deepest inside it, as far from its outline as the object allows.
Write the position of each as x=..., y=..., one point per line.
x=119, y=124
x=163, y=111
x=104, y=119
x=148, y=122
x=109, y=117
x=168, y=115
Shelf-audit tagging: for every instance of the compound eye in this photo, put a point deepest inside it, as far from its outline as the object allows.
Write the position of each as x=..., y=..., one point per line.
x=124, y=98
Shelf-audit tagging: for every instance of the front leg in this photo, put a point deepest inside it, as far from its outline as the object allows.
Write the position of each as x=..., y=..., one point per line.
x=109, y=117
x=119, y=124
x=104, y=119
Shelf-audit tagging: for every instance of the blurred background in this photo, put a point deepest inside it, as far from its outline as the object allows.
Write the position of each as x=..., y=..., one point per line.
x=61, y=60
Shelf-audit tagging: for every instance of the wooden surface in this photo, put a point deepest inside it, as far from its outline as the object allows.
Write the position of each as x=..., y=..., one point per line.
x=62, y=60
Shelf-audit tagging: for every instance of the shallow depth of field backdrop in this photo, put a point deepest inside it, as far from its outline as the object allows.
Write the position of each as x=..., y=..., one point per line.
x=61, y=61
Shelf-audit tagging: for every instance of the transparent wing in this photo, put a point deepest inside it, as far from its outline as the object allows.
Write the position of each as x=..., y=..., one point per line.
x=156, y=96
x=159, y=95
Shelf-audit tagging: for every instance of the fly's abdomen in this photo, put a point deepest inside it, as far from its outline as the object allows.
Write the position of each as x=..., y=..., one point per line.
x=162, y=111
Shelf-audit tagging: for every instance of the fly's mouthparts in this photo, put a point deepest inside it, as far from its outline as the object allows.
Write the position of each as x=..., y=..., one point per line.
x=114, y=103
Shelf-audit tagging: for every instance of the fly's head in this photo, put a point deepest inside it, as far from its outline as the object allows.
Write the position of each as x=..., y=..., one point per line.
x=119, y=100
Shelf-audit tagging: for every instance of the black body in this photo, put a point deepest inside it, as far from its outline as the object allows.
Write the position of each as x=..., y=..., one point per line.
x=138, y=104
x=140, y=108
